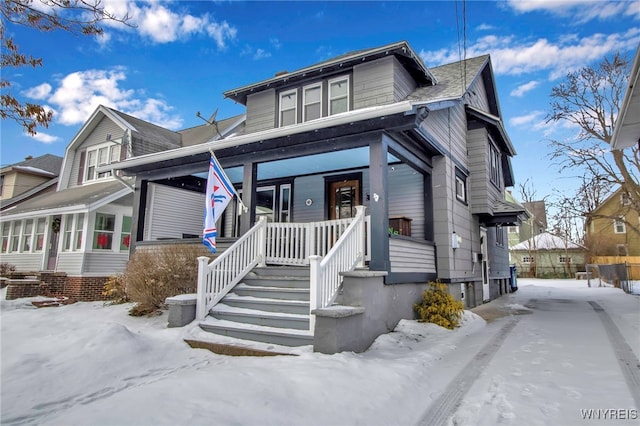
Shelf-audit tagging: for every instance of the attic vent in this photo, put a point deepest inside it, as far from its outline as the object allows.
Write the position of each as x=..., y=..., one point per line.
x=108, y=136
x=281, y=73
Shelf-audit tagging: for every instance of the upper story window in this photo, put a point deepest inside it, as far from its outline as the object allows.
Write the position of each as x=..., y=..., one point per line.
x=99, y=156
x=338, y=95
x=288, y=107
x=494, y=162
x=619, y=227
x=461, y=186
x=312, y=102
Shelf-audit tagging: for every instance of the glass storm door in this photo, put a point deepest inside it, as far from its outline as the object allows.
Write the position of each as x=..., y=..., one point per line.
x=344, y=196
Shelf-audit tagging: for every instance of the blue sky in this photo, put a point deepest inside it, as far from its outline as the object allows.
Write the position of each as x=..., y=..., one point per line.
x=181, y=56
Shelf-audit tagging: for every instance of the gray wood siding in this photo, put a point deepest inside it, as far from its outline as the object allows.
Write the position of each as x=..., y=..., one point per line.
x=70, y=262
x=24, y=262
x=261, y=111
x=105, y=263
x=165, y=204
x=373, y=83
x=406, y=197
x=403, y=83
x=498, y=255
x=96, y=137
x=411, y=256
x=479, y=100
x=449, y=128
x=481, y=192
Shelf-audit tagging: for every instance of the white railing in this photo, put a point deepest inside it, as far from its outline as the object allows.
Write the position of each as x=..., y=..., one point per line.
x=345, y=255
x=338, y=241
x=216, y=279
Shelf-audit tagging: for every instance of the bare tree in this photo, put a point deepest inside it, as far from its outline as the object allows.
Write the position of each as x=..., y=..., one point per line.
x=81, y=17
x=590, y=99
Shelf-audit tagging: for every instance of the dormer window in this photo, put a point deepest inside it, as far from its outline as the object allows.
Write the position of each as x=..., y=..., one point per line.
x=312, y=102
x=101, y=155
x=338, y=95
x=288, y=107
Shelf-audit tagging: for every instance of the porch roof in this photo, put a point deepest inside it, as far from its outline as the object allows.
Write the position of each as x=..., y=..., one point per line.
x=79, y=199
x=505, y=214
x=338, y=124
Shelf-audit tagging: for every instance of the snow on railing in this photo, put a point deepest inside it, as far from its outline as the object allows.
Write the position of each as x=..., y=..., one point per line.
x=345, y=255
x=216, y=279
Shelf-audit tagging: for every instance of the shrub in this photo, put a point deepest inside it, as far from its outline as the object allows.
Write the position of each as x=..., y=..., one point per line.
x=115, y=290
x=6, y=268
x=153, y=275
x=439, y=307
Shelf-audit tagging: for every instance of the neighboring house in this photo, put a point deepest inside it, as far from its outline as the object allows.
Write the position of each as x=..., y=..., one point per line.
x=534, y=225
x=548, y=256
x=613, y=229
x=28, y=178
x=83, y=229
x=423, y=150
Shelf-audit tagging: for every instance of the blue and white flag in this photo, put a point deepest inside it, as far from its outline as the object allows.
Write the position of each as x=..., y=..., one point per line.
x=220, y=191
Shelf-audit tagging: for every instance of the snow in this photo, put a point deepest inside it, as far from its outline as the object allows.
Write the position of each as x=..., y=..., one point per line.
x=87, y=363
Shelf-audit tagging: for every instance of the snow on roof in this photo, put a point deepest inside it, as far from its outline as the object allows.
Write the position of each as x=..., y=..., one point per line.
x=546, y=241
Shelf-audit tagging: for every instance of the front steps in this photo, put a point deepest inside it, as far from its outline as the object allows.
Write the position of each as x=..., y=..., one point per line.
x=270, y=305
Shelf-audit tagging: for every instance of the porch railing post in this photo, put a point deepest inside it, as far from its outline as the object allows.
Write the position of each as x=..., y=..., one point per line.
x=315, y=288
x=360, y=235
x=311, y=240
x=201, y=296
x=262, y=242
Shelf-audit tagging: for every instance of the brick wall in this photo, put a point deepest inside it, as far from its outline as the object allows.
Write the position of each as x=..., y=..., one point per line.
x=55, y=284
x=85, y=289
x=18, y=288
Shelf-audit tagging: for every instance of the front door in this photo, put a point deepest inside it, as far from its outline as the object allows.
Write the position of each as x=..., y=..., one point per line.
x=344, y=196
x=54, y=233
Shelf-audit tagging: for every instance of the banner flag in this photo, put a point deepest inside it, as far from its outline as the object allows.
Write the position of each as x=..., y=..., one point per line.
x=219, y=193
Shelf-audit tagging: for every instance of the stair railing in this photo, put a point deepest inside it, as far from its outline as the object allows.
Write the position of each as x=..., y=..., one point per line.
x=217, y=278
x=345, y=255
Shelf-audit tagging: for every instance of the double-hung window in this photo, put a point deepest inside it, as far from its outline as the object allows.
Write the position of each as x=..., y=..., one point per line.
x=619, y=227
x=312, y=102
x=15, y=236
x=288, y=107
x=103, y=231
x=72, y=232
x=100, y=156
x=461, y=186
x=27, y=236
x=338, y=95
x=5, y=236
x=494, y=162
x=41, y=224
x=125, y=235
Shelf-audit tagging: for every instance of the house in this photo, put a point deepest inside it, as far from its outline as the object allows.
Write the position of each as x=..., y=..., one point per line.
x=534, y=225
x=365, y=176
x=613, y=228
x=81, y=231
x=28, y=178
x=548, y=256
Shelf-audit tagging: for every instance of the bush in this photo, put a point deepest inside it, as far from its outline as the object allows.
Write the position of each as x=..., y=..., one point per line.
x=439, y=307
x=153, y=275
x=115, y=290
x=6, y=268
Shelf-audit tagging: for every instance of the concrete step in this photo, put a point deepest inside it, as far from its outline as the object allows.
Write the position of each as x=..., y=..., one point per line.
x=282, y=271
x=258, y=333
x=280, y=293
x=300, y=307
x=254, y=279
x=252, y=316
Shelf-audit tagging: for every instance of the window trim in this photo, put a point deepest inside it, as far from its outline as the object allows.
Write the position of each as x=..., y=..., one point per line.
x=304, y=100
x=90, y=173
x=461, y=181
x=494, y=164
x=282, y=94
x=346, y=78
x=617, y=223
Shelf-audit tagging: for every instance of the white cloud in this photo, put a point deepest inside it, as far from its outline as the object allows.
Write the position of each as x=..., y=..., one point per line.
x=38, y=92
x=513, y=57
x=485, y=27
x=44, y=138
x=580, y=11
x=261, y=54
x=524, y=88
x=78, y=94
x=157, y=22
x=526, y=119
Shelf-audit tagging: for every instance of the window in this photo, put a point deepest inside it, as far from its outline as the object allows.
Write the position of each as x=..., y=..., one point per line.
x=27, y=235
x=265, y=202
x=125, y=236
x=338, y=95
x=527, y=259
x=461, y=186
x=103, y=231
x=41, y=225
x=288, y=108
x=15, y=237
x=77, y=238
x=1, y=185
x=101, y=156
x=285, y=203
x=72, y=233
x=495, y=166
x=621, y=250
x=619, y=227
x=5, y=236
x=564, y=259
x=499, y=236
x=67, y=232
x=312, y=102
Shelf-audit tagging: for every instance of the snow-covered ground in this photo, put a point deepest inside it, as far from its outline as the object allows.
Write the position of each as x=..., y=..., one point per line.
x=90, y=364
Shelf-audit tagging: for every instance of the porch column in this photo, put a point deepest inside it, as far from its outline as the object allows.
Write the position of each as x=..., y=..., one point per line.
x=379, y=204
x=249, y=180
x=140, y=188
